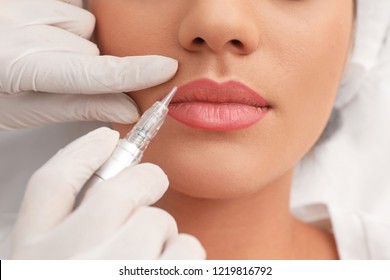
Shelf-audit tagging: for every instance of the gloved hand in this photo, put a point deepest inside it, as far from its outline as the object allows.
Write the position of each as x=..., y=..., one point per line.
x=45, y=49
x=113, y=221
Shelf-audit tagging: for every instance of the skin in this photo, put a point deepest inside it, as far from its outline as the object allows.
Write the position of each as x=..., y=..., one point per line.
x=232, y=189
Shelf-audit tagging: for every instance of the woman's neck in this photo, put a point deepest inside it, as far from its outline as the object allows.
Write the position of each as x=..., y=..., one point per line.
x=257, y=226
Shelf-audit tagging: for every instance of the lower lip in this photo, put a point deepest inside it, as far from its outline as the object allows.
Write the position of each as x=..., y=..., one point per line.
x=216, y=116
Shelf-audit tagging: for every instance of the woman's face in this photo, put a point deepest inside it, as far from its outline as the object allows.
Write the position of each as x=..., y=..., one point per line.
x=222, y=141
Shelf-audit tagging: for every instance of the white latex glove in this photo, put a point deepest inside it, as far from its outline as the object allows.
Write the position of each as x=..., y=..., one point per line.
x=45, y=49
x=113, y=221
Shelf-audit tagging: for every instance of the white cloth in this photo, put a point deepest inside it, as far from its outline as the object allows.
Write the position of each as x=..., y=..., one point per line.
x=343, y=184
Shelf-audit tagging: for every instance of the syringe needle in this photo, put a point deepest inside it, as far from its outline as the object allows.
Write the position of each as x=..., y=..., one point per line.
x=167, y=99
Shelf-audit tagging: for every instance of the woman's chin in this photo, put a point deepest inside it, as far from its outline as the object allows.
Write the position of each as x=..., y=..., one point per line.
x=208, y=179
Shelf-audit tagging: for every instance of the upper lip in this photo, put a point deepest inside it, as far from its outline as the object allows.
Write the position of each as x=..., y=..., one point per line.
x=209, y=91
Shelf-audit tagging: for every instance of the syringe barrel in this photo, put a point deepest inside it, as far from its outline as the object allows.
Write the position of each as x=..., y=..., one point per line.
x=125, y=154
x=148, y=126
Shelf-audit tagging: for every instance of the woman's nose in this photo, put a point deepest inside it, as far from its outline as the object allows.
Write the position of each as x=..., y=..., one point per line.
x=219, y=26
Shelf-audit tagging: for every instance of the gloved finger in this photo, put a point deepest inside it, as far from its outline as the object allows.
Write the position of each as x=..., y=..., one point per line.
x=48, y=39
x=86, y=74
x=108, y=205
x=37, y=52
x=50, y=12
x=184, y=247
x=51, y=191
x=143, y=237
x=34, y=109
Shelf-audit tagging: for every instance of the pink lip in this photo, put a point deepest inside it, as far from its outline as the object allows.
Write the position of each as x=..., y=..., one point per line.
x=206, y=104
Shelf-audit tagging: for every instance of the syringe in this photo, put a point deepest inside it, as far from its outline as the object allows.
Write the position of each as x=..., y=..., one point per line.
x=129, y=150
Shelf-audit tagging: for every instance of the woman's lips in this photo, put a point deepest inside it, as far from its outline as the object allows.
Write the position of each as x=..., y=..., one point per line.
x=205, y=104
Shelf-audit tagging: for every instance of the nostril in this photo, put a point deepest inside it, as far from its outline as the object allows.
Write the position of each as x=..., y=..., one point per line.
x=236, y=43
x=198, y=41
